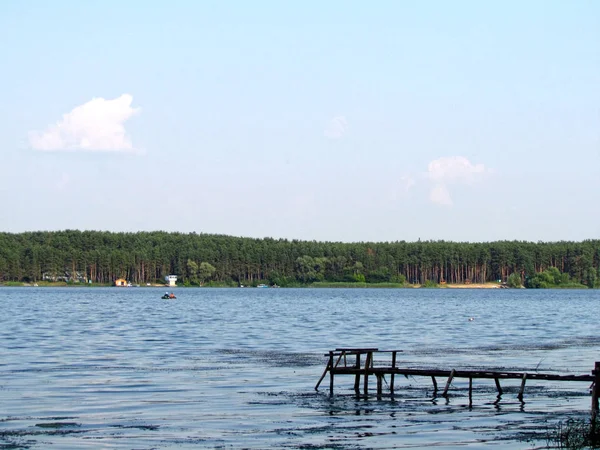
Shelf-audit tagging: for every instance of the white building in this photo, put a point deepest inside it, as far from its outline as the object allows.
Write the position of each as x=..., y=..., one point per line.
x=171, y=280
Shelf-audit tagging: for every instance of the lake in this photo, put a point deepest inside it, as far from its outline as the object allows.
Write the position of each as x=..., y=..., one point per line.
x=121, y=368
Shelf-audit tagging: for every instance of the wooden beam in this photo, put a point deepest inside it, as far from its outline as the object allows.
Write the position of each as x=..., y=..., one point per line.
x=329, y=365
x=470, y=390
x=595, y=393
x=445, y=394
x=498, y=386
x=392, y=376
x=522, y=390
x=366, y=375
x=357, y=376
x=470, y=374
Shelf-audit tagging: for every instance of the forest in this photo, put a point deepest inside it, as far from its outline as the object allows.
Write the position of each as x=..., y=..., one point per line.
x=100, y=257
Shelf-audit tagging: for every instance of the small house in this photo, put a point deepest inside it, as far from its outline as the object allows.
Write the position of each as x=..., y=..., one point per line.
x=171, y=280
x=121, y=282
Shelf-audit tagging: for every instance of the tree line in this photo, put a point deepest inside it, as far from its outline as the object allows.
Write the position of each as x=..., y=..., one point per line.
x=147, y=257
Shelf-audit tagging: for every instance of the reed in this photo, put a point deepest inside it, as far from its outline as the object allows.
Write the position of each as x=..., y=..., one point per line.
x=575, y=434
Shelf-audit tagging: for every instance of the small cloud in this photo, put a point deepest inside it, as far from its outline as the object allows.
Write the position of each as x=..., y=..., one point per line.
x=439, y=194
x=454, y=169
x=97, y=125
x=406, y=183
x=451, y=170
x=336, y=128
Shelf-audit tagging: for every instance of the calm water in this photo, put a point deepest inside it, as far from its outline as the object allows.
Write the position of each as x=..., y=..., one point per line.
x=120, y=368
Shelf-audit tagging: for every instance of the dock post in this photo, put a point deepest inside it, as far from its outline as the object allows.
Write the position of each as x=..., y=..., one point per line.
x=595, y=393
x=445, y=394
x=434, y=385
x=329, y=366
x=392, y=376
x=470, y=391
x=368, y=361
x=498, y=387
x=331, y=374
x=379, y=385
x=357, y=376
x=522, y=390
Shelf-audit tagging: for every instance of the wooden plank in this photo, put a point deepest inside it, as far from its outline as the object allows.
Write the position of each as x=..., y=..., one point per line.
x=470, y=374
x=351, y=350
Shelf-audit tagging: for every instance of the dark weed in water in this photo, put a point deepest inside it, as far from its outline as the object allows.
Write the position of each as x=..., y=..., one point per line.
x=416, y=406
x=13, y=445
x=574, y=434
x=138, y=427
x=274, y=358
x=16, y=418
x=57, y=425
x=50, y=432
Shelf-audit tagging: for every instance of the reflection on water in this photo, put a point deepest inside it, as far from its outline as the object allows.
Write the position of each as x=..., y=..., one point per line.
x=121, y=368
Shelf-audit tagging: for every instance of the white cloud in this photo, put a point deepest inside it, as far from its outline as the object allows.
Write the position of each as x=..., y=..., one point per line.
x=97, y=125
x=451, y=170
x=439, y=194
x=454, y=169
x=336, y=128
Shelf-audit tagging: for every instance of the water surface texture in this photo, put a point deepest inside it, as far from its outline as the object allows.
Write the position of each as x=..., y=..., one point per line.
x=121, y=368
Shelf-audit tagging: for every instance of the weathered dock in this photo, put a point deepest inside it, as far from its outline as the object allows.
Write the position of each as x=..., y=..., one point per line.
x=361, y=362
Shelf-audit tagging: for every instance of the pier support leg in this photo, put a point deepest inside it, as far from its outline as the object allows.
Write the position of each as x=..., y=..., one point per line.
x=498, y=386
x=445, y=394
x=595, y=394
x=357, y=376
x=435, y=388
x=331, y=375
x=379, y=385
x=522, y=390
x=368, y=361
x=392, y=376
x=470, y=391
x=328, y=367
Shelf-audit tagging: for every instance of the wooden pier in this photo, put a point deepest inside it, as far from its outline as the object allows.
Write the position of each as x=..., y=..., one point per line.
x=361, y=362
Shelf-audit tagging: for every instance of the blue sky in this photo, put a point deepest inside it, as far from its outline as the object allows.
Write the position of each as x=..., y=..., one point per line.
x=337, y=120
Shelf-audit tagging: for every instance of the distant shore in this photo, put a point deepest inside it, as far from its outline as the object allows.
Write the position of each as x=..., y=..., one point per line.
x=473, y=286
x=318, y=285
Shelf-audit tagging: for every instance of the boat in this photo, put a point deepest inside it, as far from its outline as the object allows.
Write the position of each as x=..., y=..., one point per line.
x=168, y=297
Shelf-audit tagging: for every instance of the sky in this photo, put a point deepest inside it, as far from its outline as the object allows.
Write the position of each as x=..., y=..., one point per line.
x=332, y=121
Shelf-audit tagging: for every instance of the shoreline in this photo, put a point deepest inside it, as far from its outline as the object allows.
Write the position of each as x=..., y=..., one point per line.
x=313, y=286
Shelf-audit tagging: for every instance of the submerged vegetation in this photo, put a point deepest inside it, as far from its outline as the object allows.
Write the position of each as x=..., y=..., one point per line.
x=100, y=257
x=575, y=434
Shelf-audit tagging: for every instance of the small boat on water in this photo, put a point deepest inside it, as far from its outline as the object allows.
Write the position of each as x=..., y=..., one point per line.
x=168, y=296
